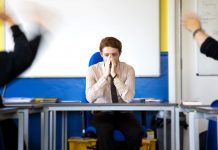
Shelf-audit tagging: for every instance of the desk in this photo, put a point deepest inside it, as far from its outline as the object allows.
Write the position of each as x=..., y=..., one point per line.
x=25, y=111
x=188, y=109
x=201, y=112
x=49, y=118
x=22, y=113
x=12, y=112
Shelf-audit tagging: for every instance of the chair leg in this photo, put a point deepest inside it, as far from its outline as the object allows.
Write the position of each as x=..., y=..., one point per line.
x=97, y=148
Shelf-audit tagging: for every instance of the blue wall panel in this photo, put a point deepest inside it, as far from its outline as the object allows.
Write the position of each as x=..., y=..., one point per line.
x=154, y=87
x=73, y=89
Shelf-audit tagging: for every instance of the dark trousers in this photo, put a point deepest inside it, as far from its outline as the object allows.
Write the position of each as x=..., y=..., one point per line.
x=107, y=122
x=9, y=134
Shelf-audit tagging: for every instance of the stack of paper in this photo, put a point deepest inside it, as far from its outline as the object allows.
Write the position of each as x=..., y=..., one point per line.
x=18, y=100
x=191, y=103
x=153, y=100
x=24, y=101
x=143, y=100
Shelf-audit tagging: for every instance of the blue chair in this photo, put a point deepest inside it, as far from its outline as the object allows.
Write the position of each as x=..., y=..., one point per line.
x=211, y=141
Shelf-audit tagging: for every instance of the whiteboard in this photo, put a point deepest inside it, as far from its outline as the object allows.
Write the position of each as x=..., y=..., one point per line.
x=80, y=26
x=208, y=12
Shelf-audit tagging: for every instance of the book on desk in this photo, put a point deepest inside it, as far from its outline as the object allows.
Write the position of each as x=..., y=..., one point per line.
x=145, y=100
x=191, y=103
x=27, y=101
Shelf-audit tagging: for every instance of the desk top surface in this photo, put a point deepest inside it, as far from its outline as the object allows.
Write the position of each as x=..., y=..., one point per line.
x=24, y=105
x=110, y=107
x=109, y=104
x=193, y=106
x=8, y=110
x=210, y=110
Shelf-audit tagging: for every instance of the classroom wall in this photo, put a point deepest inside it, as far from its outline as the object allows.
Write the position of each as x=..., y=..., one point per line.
x=202, y=88
x=73, y=88
x=164, y=25
x=190, y=86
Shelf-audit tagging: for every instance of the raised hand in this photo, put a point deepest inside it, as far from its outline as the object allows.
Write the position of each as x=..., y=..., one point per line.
x=6, y=18
x=191, y=22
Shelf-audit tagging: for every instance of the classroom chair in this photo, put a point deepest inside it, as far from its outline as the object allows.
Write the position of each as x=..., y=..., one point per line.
x=90, y=131
x=211, y=139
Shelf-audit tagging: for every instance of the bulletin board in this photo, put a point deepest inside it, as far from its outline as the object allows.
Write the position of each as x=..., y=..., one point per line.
x=80, y=26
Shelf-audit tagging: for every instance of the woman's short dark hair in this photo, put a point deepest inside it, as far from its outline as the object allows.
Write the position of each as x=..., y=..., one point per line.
x=111, y=42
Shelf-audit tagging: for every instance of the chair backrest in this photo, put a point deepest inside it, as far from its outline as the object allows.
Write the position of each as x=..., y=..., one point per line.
x=211, y=143
x=95, y=58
